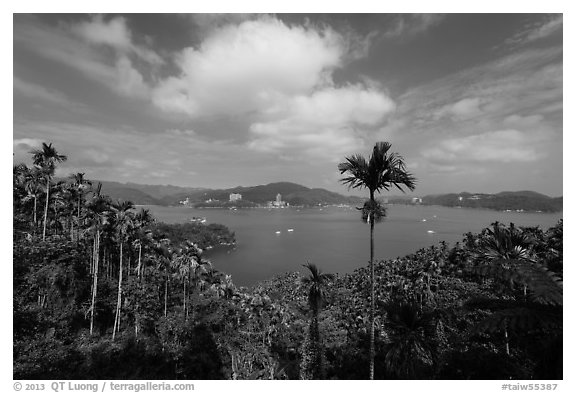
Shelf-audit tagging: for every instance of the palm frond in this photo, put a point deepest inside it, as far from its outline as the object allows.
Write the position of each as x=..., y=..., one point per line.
x=545, y=286
x=382, y=171
x=520, y=319
x=357, y=167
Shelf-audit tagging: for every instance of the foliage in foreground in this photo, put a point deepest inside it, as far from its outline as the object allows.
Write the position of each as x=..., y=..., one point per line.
x=109, y=294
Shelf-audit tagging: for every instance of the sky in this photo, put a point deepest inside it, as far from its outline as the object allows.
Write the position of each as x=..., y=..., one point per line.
x=473, y=102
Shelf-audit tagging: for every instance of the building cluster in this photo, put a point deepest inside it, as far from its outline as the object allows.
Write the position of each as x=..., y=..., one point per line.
x=235, y=197
x=278, y=202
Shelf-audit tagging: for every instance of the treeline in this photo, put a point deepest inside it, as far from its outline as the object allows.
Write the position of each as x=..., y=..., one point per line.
x=90, y=272
x=522, y=200
x=103, y=293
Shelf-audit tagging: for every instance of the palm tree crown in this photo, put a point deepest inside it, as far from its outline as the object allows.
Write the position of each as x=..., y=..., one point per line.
x=382, y=171
x=317, y=282
x=47, y=157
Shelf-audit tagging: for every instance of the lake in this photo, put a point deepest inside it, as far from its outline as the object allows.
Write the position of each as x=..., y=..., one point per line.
x=334, y=238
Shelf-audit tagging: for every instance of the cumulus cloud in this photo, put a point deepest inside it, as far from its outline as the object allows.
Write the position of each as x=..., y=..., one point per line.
x=282, y=77
x=242, y=68
x=325, y=124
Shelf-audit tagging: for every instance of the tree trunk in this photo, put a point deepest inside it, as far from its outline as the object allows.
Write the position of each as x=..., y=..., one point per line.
x=119, y=303
x=35, y=219
x=166, y=297
x=139, y=259
x=46, y=208
x=372, y=300
x=95, y=284
x=184, y=299
x=317, y=365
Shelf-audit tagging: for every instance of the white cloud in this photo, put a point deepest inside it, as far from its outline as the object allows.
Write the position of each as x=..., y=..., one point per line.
x=466, y=107
x=180, y=133
x=209, y=22
x=326, y=124
x=281, y=76
x=412, y=24
x=550, y=25
x=338, y=106
x=129, y=80
x=27, y=143
x=503, y=146
x=60, y=45
x=523, y=121
x=478, y=99
x=244, y=68
x=114, y=33
x=462, y=109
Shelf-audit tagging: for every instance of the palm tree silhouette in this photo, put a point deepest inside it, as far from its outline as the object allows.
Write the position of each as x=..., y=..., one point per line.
x=46, y=159
x=316, y=283
x=123, y=221
x=383, y=171
x=98, y=210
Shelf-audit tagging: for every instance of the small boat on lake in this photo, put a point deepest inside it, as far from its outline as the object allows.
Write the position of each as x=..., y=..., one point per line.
x=198, y=220
x=278, y=232
x=290, y=230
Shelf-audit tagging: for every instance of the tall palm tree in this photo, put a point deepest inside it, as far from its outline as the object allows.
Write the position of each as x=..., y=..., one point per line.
x=382, y=171
x=80, y=185
x=98, y=211
x=316, y=283
x=46, y=159
x=28, y=180
x=165, y=253
x=123, y=221
x=142, y=220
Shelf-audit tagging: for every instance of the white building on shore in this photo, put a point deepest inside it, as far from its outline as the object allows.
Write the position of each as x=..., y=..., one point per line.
x=278, y=202
x=235, y=197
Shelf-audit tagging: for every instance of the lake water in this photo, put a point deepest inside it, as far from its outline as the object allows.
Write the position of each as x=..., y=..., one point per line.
x=333, y=238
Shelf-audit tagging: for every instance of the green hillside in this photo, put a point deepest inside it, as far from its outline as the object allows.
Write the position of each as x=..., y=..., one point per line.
x=508, y=200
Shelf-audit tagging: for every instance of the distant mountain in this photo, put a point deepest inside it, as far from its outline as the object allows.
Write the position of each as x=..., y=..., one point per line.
x=126, y=193
x=299, y=195
x=295, y=194
x=142, y=194
x=160, y=191
x=507, y=200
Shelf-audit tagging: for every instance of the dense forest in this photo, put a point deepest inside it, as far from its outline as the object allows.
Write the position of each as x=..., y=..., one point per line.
x=519, y=200
x=101, y=291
